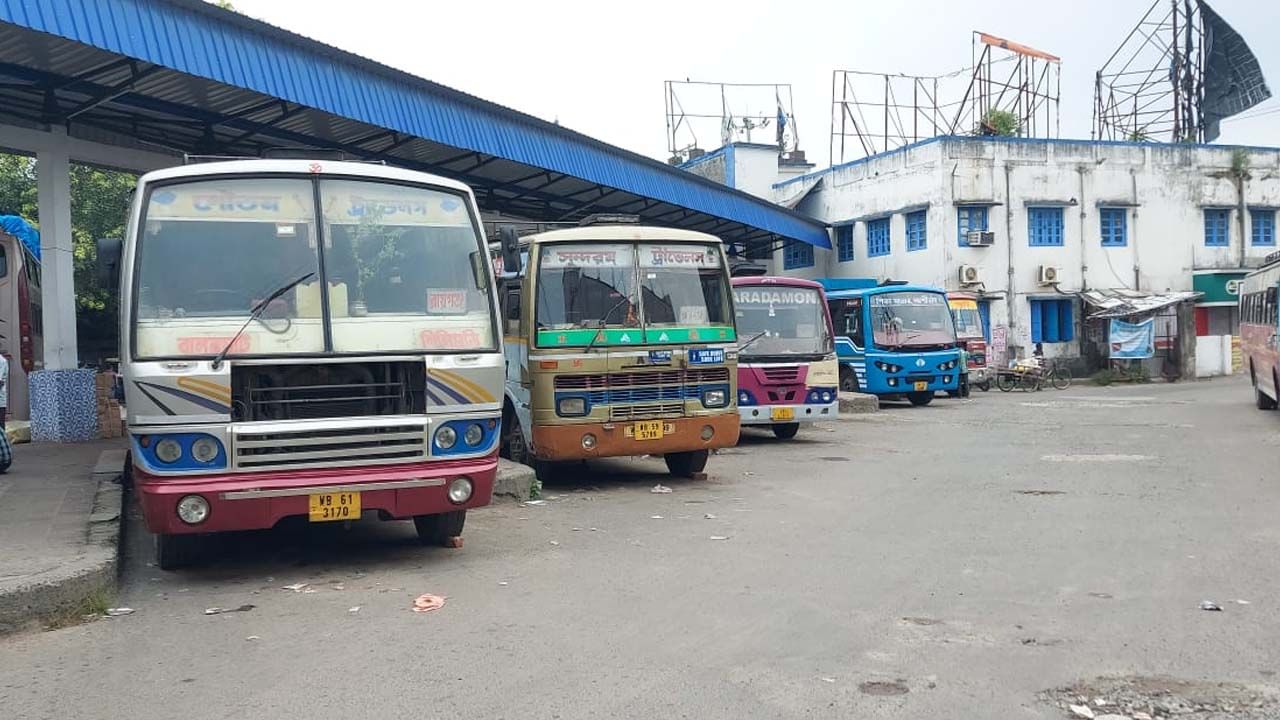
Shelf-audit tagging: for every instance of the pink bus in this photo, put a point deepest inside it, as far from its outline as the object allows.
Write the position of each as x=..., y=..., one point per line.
x=1258, y=328
x=787, y=370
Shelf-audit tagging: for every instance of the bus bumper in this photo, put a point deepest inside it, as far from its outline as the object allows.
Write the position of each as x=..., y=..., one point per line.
x=258, y=500
x=764, y=414
x=565, y=442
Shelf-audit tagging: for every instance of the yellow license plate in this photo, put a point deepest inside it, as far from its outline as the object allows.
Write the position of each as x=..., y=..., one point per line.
x=782, y=414
x=922, y=385
x=648, y=430
x=327, y=507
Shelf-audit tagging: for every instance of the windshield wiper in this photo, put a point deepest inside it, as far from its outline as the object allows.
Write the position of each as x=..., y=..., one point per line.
x=754, y=338
x=605, y=321
x=253, y=315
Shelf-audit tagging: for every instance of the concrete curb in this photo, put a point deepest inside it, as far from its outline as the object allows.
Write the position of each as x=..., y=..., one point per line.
x=852, y=403
x=514, y=480
x=66, y=586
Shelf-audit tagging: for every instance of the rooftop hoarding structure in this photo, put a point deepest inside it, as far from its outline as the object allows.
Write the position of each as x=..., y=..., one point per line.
x=1008, y=89
x=1176, y=76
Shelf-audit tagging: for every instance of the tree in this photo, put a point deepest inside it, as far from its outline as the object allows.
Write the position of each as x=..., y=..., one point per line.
x=1000, y=122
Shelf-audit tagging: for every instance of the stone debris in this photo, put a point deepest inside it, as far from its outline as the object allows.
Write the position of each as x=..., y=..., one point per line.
x=296, y=587
x=660, y=489
x=1210, y=605
x=1164, y=698
x=117, y=612
x=719, y=537
x=1083, y=711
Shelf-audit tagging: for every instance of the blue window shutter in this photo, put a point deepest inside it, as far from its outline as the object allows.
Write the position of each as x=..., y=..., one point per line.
x=1049, y=328
x=844, y=242
x=1066, y=321
x=984, y=313
x=1037, y=312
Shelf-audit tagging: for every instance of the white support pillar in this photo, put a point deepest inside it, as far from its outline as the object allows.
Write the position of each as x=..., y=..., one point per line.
x=53, y=168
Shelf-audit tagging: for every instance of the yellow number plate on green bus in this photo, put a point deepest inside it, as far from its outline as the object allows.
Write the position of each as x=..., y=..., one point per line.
x=649, y=429
x=327, y=507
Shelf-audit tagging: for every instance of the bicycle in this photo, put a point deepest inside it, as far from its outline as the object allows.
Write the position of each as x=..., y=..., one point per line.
x=1033, y=376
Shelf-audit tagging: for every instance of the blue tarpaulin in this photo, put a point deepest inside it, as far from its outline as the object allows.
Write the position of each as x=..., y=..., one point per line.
x=21, y=229
x=1132, y=341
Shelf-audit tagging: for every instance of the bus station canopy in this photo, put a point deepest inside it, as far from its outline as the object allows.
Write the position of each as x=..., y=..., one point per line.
x=191, y=78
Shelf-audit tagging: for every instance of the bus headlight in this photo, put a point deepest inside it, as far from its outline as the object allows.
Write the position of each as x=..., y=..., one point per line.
x=193, y=509
x=826, y=396
x=948, y=365
x=446, y=437
x=714, y=398
x=571, y=406
x=204, y=450
x=473, y=435
x=168, y=451
x=888, y=367
x=460, y=490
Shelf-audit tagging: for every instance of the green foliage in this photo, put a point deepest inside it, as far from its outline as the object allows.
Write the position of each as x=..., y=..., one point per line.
x=1103, y=377
x=1001, y=122
x=1138, y=136
x=1239, y=163
x=99, y=209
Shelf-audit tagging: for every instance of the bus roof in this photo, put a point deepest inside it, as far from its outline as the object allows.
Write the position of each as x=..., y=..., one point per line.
x=962, y=296
x=302, y=167
x=598, y=233
x=881, y=290
x=754, y=280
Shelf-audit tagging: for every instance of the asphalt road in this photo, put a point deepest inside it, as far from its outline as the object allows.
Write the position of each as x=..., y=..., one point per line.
x=948, y=561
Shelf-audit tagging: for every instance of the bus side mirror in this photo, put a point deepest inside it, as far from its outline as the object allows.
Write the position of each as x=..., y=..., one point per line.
x=510, y=242
x=109, y=263
x=479, y=273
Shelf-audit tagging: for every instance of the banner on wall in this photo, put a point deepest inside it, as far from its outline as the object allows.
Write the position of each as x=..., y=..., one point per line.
x=1132, y=341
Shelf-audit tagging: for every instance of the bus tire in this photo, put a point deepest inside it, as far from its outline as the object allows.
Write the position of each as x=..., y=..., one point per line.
x=685, y=464
x=176, y=551
x=920, y=399
x=439, y=528
x=545, y=470
x=785, y=431
x=512, y=446
x=848, y=380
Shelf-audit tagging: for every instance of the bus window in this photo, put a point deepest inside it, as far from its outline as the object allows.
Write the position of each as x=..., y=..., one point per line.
x=4, y=262
x=511, y=310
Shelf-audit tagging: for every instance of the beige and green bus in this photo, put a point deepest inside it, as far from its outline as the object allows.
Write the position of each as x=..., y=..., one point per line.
x=620, y=342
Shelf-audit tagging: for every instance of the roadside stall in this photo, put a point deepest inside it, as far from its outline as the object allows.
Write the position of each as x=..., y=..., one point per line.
x=1139, y=335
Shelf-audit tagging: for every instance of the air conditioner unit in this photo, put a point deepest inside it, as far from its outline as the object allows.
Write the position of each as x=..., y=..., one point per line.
x=1048, y=275
x=980, y=238
x=970, y=275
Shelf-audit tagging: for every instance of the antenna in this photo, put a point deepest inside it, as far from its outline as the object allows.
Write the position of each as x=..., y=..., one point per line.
x=735, y=112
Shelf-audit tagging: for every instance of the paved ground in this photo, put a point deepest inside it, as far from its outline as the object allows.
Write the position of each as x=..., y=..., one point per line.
x=949, y=561
x=46, y=504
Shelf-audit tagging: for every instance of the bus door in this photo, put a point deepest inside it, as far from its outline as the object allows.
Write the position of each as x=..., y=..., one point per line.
x=846, y=316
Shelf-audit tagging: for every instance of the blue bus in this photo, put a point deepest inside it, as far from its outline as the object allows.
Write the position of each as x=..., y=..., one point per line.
x=893, y=340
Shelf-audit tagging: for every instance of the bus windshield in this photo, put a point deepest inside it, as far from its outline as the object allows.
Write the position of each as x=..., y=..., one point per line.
x=623, y=285
x=397, y=263
x=911, y=320
x=587, y=286
x=780, y=320
x=968, y=322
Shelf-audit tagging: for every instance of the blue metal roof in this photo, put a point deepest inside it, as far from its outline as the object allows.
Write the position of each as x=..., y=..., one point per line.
x=200, y=40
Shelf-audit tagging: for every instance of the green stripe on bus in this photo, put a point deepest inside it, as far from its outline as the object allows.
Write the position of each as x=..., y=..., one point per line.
x=634, y=336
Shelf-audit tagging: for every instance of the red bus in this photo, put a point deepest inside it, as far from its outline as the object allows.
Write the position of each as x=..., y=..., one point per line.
x=1258, y=329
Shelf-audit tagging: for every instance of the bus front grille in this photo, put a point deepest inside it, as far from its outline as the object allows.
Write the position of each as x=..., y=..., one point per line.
x=270, y=448
x=646, y=410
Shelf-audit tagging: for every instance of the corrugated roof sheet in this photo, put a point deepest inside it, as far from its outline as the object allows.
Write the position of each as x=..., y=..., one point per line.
x=1120, y=303
x=196, y=38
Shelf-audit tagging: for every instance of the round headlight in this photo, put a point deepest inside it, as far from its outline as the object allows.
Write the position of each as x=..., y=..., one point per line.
x=460, y=490
x=588, y=441
x=446, y=437
x=826, y=397
x=168, y=451
x=708, y=432
x=473, y=435
x=204, y=450
x=193, y=509
x=743, y=398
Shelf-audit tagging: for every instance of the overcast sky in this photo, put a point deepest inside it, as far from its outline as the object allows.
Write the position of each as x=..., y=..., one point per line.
x=599, y=67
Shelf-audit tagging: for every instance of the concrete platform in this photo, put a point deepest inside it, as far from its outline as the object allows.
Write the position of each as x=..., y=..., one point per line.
x=60, y=508
x=514, y=480
x=852, y=403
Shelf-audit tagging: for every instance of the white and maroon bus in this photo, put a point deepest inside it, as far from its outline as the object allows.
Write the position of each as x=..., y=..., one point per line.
x=1258, y=329
x=21, y=323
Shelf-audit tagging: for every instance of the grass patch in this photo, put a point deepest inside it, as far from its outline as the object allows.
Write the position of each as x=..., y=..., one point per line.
x=88, y=608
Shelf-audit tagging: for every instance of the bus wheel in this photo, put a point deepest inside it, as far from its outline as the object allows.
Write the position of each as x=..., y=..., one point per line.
x=848, y=380
x=513, y=447
x=438, y=529
x=920, y=399
x=545, y=470
x=685, y=464
x=785, y=431
x=176, y=551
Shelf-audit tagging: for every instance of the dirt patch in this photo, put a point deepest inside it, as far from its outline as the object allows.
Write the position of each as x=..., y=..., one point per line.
x=834, y=458
x=883, y=688
x=1165, y=697
x=925, y=621
x=1040, y=492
